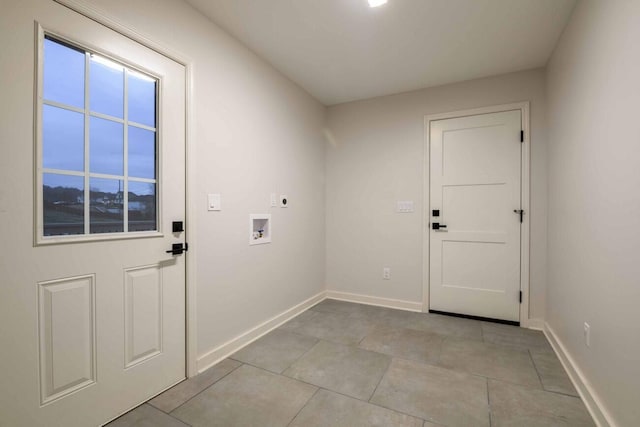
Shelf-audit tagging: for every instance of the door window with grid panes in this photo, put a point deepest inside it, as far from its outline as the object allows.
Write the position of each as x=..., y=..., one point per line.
x=98, y=145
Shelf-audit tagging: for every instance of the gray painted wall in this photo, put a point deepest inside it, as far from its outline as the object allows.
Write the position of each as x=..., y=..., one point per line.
x=594, y=200
x=375, y=158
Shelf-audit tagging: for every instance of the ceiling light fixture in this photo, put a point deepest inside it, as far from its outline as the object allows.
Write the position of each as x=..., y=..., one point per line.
x=376, y=3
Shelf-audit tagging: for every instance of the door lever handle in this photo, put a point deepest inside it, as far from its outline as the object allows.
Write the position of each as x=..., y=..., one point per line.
x=437, y=226
x=178, y=249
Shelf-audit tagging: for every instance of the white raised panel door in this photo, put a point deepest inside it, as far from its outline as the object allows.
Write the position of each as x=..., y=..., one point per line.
x=475, y=183
x=90, y=329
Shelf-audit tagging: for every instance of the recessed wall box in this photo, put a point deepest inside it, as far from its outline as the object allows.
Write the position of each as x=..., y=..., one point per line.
x=259, y=229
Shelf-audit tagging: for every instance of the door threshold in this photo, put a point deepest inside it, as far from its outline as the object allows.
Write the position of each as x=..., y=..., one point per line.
x=484, y=319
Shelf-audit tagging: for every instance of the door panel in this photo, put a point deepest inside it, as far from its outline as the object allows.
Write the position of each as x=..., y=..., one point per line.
x=143, y=313
x=475, y=183
x=96, y=322
x=67, y=336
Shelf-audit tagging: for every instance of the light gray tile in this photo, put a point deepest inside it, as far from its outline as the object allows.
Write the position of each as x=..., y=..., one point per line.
x=404, y=343
x=146, y=416
x=345, y=369
x=446, y=325
x=435, y=394
x=426, y=322
x=374, y=314
x=499, y=362
x=513, y=405
x=336, y=327
x=299, y=321
x=515, y=336
x=340, y=307
x=275, y=351
x=335, y=410
x=552, y=374
x=248, y=396
x=177, y=395
x=391, y=317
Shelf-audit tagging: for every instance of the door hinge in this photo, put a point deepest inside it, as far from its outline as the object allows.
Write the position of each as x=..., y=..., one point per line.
x=520, y=297
x=521, y=213
x=521, y=136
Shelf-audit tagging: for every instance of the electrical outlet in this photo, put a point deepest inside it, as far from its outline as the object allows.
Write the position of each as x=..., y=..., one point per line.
x=386, y=273
x=587, y=334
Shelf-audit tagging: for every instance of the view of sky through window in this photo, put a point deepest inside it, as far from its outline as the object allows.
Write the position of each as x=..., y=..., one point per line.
x=99, y=143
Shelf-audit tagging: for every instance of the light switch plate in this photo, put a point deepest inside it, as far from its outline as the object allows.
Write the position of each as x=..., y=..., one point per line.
x=214, y=202
x=404, y=206
x=274, y=200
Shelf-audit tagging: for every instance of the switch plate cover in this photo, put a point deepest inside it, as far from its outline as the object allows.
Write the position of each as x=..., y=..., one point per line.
x=404, y=206
x=214, y=202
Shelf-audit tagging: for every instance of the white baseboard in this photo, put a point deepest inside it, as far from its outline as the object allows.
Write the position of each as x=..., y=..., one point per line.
x=382, y=302
x=225, y=350
x=594, y=405
x=537, y=324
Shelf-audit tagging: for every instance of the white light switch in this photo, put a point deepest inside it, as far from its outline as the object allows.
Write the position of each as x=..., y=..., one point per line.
x=274, y=200
x=405, y=206
x=214, y=202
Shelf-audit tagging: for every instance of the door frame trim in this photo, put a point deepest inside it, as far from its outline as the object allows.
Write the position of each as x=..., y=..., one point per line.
x=103, y=18
x=525, y=185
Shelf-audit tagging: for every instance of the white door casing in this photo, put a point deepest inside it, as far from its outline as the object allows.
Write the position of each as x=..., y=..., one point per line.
x=95, y=327
x=475, y=182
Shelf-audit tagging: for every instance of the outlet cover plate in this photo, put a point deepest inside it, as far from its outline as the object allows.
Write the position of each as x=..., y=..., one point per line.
x=587, y=334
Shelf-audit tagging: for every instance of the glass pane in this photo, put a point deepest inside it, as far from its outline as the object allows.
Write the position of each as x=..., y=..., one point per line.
x=63, y=204
x=142, y=99
x=62, y=139
x=63, y=74
x=106, y=207
x=142, y=153
x=142, y=206
x=106, y=147
x=106, y=87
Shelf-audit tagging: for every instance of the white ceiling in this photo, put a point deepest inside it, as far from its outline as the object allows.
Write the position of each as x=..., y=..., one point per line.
x=343, y=50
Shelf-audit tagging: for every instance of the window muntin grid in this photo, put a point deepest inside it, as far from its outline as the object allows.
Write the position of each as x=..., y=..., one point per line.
x=99, y=144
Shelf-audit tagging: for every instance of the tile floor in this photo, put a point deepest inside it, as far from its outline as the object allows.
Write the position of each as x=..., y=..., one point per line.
x=344, y=364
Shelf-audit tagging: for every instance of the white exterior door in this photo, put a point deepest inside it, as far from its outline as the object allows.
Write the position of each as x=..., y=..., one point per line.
x=92, y=307
x=476, y=186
